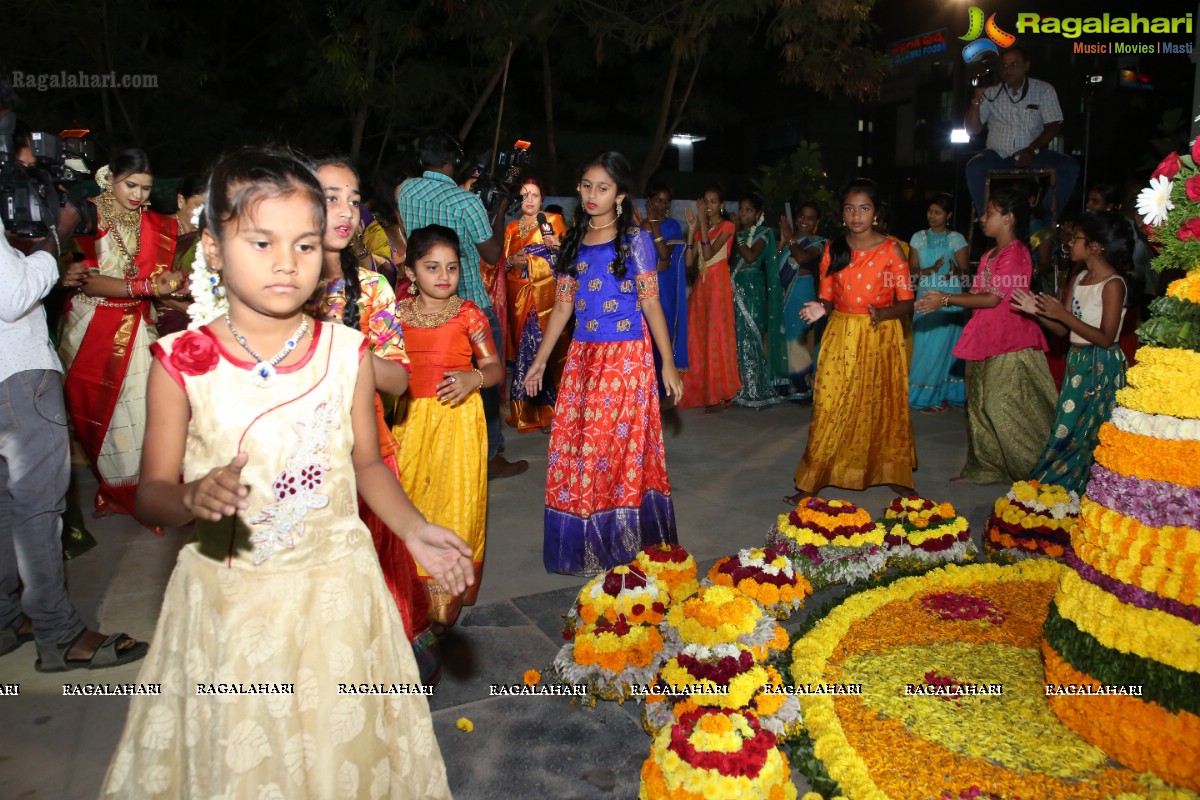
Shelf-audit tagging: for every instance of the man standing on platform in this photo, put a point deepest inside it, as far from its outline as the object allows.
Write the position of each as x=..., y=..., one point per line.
x=1022, y=116
x=436, y=199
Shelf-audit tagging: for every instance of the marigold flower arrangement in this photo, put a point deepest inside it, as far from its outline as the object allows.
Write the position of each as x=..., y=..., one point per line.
x=716, y=754
x=725, y=676
x=920, y=533
x=1032, y=519
x=1127, y=609
x=625, y=591
x=671, y=566
x=717, y=615
x=829, y=541
x=611, y=657
x=765, y=576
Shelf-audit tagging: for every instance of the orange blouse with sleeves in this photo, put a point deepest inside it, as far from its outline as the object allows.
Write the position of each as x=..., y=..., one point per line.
x=877, y=277
x=442, y=342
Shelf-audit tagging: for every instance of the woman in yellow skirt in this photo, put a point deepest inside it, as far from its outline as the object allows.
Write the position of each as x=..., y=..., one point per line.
x=861, y=432
x=443, y=438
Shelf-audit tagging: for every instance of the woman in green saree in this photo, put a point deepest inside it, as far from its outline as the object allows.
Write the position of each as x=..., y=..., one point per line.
x=757, y=308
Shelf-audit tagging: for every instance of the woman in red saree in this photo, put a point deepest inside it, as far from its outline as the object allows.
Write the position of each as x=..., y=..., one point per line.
x=531, y=288
x=107, y=330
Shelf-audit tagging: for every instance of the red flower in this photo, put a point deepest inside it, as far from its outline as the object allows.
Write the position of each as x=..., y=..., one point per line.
x=194, y=354
x=1190, y=230
x=1193, y=186
x=1196, y=150
x=1168, y=167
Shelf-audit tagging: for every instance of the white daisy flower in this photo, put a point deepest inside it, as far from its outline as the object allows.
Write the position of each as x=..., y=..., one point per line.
x=1154, y=202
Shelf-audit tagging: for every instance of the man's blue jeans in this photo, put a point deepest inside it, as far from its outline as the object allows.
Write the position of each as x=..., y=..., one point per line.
x=1066, y=173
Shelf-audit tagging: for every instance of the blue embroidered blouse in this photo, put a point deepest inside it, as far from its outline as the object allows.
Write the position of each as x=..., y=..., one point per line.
x=608, y=309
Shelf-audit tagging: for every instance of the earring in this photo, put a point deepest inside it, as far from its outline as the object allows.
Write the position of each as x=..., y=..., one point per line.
x=412, y=288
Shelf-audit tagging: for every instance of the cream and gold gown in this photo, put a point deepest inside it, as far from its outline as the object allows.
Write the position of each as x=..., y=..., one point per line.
x=288, y=594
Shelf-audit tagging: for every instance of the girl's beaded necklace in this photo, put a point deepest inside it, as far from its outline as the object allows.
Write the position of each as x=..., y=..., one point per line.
x=264, y=371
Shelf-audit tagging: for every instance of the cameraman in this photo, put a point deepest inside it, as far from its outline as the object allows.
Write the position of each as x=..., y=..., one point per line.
x=1022, y=116
x=35, y=468
x=435, y=199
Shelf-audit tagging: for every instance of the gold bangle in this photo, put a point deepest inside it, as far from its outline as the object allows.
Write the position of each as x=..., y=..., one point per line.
x=479, y=372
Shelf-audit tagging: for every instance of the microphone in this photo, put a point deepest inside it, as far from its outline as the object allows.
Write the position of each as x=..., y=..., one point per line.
x=544, y=224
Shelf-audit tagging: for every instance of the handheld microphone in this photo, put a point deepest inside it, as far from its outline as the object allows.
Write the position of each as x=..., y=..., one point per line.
x=544, y=224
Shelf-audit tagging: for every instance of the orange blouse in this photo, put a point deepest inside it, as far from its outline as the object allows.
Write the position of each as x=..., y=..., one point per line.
x=878, y=277
x=442, y=342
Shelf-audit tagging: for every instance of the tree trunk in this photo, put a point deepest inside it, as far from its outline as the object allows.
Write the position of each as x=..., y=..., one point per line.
x=551, y=131
x=658, y=141
x=480, y=101
x=364, y=109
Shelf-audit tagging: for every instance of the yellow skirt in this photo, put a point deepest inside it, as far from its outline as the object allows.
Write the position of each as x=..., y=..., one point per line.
x=861, y=433
x=443, y=468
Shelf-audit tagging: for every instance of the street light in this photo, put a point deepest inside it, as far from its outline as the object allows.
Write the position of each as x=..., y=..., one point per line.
x=684, y=142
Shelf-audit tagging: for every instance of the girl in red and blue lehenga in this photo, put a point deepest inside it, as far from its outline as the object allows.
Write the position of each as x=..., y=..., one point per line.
x=607, y=492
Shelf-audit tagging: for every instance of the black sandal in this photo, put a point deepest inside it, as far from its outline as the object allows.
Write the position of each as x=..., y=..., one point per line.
x=11, y=638
x=105, y=656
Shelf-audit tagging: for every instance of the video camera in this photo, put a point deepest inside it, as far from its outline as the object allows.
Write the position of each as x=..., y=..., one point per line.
x=985, y=78
x=504, y=180
x=30, y=198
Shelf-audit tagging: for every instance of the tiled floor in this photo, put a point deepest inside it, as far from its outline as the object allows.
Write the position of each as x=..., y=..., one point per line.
x=728, y=474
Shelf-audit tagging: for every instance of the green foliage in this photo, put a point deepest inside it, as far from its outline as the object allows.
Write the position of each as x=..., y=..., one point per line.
x=1174, y=323
x=795, y=178
x=1173, y=689
x=1174, y=253
x=799, y=749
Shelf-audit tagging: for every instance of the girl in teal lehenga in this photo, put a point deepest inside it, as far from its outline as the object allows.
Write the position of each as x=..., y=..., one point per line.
x=1091, y=312
x=800, y=252
x=939, y=257
x=757, y=309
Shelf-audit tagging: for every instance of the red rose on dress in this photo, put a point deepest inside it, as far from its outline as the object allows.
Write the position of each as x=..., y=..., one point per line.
x=194, y=354
x=1168, y=167
x=1193, y=185
x=1190, y=230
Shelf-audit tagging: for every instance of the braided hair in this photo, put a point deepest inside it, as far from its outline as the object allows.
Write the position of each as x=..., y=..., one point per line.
x=618, y=169
x=346, y=257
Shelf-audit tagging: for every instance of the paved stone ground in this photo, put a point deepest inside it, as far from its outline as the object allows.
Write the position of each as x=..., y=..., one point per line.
x=728, y=473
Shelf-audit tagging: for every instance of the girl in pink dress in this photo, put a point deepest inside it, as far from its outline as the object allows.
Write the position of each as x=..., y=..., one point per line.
x=1010, y=394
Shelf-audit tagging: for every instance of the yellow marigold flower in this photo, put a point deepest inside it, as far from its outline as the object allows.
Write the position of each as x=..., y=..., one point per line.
x=812, y=796
x=465, y=724
x=532, y=677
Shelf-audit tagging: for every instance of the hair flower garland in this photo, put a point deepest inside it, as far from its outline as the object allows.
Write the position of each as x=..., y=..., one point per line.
x=204, y=285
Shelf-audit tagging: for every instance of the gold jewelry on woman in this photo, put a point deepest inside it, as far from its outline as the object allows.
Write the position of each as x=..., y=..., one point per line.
x=122, y=224
x=526, y=228
x=608, y=224
x=479, y=372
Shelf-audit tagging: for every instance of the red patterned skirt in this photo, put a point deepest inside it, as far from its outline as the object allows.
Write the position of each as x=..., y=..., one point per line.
x=607, y=491
x=712, y=374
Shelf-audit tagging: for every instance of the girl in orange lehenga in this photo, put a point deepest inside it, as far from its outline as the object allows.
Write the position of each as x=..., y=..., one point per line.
x=443, y=439
x=712, y=378
x=528, y=251
x=107, y=332
x=362, y=299
x=861, y=433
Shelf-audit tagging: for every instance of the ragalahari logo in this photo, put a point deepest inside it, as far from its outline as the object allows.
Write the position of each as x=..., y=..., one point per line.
x=996, y=40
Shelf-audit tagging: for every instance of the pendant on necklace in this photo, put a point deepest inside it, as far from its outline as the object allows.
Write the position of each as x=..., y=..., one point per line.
x=263, y=373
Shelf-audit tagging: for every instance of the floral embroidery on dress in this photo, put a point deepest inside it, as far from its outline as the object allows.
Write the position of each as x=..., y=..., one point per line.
x=295, y=487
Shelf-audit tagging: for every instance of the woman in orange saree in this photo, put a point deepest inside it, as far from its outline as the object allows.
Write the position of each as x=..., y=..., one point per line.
x=529, y=250
x=105, y=345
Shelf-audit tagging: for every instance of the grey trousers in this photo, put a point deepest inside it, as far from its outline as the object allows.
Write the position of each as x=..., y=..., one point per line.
x=35, y=468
